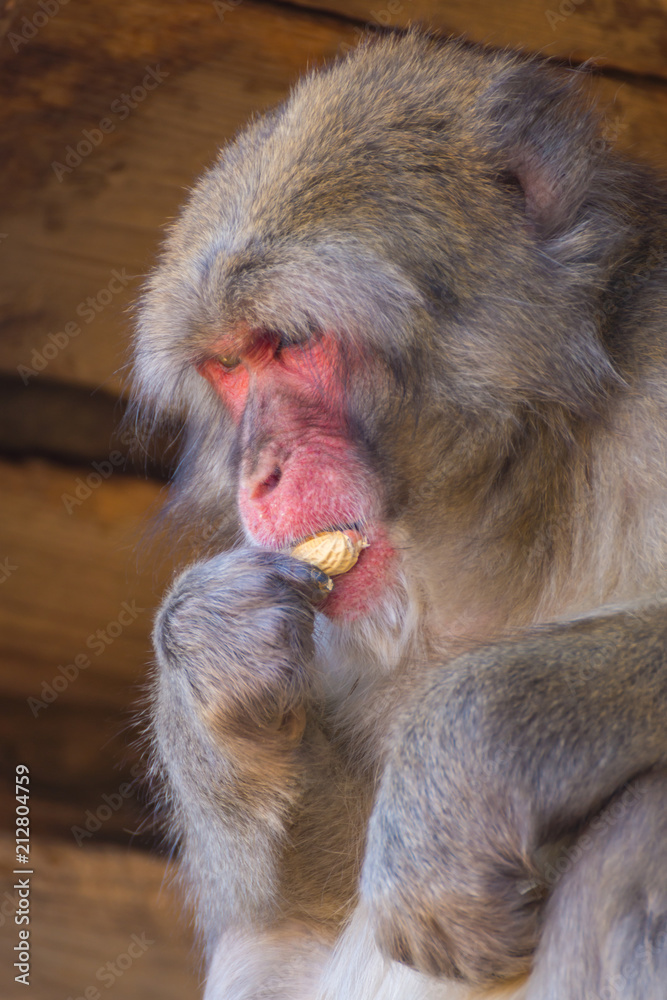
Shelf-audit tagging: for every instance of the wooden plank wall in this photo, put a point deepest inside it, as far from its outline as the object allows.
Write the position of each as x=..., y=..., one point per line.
x=154, y=87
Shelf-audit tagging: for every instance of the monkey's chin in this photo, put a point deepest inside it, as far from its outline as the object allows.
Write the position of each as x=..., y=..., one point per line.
x=358, y=592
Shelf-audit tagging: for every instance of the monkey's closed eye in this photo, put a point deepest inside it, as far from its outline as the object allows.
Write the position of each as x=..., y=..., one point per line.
x=278, y=342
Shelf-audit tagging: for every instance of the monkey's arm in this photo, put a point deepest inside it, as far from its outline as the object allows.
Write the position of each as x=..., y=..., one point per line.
x=230, y=701
x=497, y=763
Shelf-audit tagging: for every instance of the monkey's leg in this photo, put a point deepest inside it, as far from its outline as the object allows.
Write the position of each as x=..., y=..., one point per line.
x=605, y=925
x=358, y=971
x=501, y=758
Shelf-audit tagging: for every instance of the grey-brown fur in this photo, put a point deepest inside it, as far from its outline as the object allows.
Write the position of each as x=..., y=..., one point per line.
x=456, y=214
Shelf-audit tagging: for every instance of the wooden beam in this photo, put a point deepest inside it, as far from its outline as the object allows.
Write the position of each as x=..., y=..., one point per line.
x=630, y=36
x=79, y=239
x=86, y=773
x=69, y=423
x=99, y=917
x=74, y=600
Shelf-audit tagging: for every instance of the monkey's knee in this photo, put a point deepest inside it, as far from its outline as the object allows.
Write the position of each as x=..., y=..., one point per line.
x=605, y=929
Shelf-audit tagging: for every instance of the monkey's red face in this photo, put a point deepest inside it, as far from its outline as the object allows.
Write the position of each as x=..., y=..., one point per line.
x=300, y=472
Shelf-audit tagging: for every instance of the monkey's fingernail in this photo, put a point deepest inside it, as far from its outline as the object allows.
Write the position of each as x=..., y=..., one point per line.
x=323, y=581
x=305, y=573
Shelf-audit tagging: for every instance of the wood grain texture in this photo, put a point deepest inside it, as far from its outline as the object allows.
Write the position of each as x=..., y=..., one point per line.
x=100, y=918
x=628, y=35
x=66, y=238
x=68, y=577
x=68, y=423
x=74, y=245
x=75, y=619
x=87, y=774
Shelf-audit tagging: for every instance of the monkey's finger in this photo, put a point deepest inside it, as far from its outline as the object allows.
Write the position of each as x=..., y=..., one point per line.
x=308, y=579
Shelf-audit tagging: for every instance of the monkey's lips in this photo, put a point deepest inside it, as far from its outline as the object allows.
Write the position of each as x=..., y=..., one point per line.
x=356, y=592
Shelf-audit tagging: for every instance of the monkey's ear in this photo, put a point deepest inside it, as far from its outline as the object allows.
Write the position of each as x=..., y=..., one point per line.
x=545, y=137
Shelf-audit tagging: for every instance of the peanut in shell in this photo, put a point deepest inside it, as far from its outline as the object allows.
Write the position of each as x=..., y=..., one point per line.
x=332, y=552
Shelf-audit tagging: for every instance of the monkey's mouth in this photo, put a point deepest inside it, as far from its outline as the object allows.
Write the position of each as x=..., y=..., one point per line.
x=331, y=553
x=358, y=591
x=355, y=526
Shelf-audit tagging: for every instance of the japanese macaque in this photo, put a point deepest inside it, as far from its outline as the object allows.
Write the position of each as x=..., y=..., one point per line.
x=424, y=304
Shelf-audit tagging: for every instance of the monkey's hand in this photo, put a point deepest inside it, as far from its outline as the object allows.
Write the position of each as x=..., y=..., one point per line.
x=238, y=629
x=234, y=648
x=496, y=765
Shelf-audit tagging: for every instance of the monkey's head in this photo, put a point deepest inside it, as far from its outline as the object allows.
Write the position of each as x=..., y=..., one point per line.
x=371, y=293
